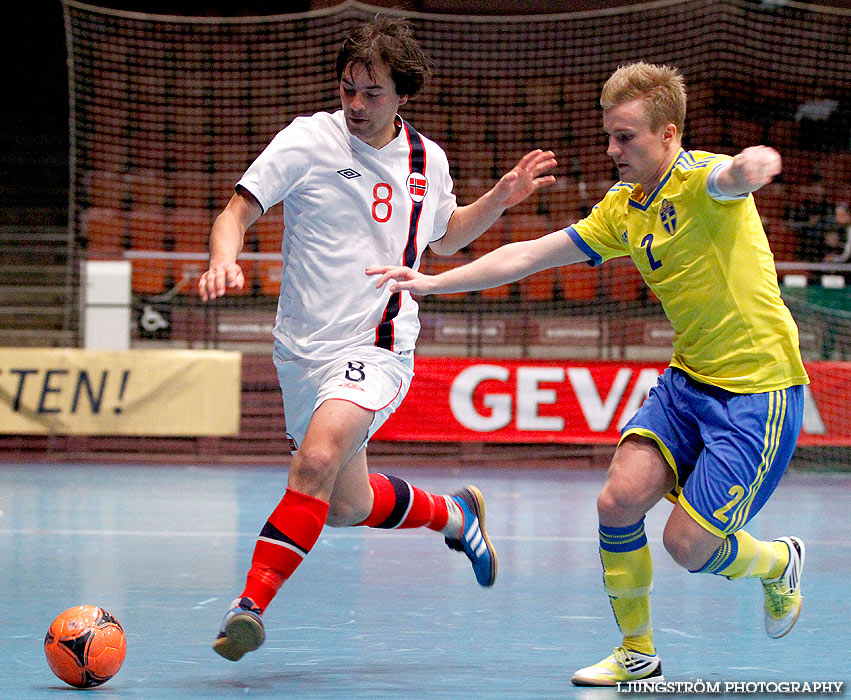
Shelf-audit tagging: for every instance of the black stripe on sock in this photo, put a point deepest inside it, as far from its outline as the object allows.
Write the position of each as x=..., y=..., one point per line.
x=402, y=491
x=270, y=532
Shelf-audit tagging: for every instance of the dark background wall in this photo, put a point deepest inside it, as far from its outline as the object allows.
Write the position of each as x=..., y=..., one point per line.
x=34, y=124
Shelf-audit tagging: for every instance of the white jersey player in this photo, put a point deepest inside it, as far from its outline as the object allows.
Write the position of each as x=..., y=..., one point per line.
x=359, y=187
x=346, y=204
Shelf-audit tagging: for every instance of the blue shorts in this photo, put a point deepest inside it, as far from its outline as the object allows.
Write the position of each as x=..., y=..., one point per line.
x=728, y=451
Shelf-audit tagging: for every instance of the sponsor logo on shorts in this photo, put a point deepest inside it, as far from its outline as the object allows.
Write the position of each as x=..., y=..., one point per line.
x=350, y=385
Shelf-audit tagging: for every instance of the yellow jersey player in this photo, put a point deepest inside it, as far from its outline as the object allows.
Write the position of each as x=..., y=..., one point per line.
x=717, y=432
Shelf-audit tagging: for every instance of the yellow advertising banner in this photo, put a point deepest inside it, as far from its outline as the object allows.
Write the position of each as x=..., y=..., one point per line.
x=119, y=392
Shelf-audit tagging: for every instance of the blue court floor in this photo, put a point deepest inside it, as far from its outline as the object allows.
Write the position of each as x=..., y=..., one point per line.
x=376, y=614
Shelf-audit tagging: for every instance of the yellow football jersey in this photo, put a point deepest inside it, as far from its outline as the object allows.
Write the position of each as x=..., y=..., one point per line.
x=709, y=264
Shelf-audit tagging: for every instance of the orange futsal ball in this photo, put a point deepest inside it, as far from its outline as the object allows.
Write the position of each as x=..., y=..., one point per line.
x=85, y=646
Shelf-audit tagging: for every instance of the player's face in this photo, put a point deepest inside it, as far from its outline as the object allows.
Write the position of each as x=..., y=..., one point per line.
x=641, y=154
x=370, y=103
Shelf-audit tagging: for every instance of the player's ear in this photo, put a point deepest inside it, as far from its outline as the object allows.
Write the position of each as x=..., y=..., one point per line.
x=669, y=133
x=402, y=99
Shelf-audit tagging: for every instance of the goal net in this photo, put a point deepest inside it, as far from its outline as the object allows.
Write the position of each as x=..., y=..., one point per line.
x=168, y=111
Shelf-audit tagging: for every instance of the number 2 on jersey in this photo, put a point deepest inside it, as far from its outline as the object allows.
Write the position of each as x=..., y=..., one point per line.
x=381, y=207
x=647, y=242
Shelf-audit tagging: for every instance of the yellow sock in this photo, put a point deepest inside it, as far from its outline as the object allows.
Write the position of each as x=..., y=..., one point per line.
x=628, y=580
x=743, y=556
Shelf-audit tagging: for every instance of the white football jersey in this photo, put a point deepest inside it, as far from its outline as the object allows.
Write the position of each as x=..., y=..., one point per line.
x=348, y=206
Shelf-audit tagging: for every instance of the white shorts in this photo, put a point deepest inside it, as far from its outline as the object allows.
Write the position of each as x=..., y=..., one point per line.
x=371, y=377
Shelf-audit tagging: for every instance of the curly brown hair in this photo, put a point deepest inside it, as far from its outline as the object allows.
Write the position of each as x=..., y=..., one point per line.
x=390, y=41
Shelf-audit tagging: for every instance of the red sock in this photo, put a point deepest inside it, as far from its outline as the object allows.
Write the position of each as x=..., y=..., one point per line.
x=288, y=536
x=397, y=504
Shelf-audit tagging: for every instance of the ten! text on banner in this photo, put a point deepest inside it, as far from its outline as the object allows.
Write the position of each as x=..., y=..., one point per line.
x=133, y=392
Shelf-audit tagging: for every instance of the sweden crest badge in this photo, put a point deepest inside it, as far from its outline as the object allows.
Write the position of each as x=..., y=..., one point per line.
x=668, y=216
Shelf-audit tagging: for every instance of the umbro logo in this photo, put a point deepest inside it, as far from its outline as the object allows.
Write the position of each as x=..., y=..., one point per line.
x=348, y=173
x=350, y=385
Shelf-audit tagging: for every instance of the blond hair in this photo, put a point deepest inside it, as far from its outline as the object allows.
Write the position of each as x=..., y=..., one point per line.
x=661, y=87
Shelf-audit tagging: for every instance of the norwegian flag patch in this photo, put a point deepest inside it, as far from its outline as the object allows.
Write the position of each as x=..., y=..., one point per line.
x=417, y=186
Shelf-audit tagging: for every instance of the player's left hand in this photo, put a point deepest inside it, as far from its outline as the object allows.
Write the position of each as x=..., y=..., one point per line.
x=403, y=278
x=525, y=177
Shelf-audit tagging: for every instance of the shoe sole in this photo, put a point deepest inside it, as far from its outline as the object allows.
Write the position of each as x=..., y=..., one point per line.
x=242, y=634
x=477, y=505
x=591, y=683
x=802, y=555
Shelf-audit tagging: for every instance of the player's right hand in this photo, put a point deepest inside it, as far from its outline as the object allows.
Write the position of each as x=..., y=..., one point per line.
x=755, y=167
x=219, y=278
x=405, y=278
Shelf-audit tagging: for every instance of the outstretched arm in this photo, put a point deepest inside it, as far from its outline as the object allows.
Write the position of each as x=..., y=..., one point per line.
x=749, y=170
x=469, y=222
x=506, y=264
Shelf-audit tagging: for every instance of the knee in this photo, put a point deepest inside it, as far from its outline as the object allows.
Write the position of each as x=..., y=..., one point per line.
x=677, y=547
x=690, y=553
x=346, y=514
x=616, y=508
x=312, y=471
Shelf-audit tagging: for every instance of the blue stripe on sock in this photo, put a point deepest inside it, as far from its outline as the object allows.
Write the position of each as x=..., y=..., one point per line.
x=623, y=539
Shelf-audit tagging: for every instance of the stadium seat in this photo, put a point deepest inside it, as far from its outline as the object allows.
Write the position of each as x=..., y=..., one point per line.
x=624, y=282
x=267, y=231
x=190, y=231
x=432, y=264
x=524, y=227
x=837, y=175
x=783, y=133
x=229, y=153
x=538, y=287
x=782, y=240
x=148, y=228
x=493, y=238
x=104, y=229
x=747, y=131
x=108, y=154
x=501, y=292
x=147, y=188
x=148, y=150
x=191, y=189
x=579, y=282
x=106, y=188
x=223, y=189
x=771, y=200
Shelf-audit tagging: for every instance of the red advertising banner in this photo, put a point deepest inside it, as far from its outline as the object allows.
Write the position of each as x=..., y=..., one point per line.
x=500, y=400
